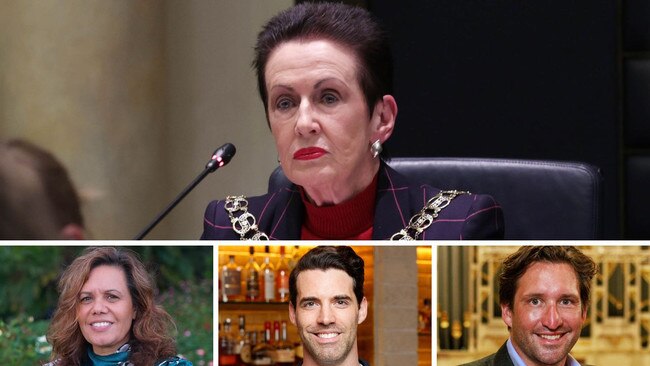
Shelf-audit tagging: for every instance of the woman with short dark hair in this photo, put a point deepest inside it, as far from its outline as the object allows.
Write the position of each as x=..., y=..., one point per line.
x=324, y=74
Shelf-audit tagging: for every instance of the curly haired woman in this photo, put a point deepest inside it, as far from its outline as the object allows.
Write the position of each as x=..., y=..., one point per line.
x=107, y=316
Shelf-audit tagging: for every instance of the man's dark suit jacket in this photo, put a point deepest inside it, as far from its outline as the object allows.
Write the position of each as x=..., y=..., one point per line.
x=501, y=358
x=280, y=214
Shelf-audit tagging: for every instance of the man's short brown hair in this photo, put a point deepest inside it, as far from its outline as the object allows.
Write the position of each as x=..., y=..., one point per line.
x=515, y=265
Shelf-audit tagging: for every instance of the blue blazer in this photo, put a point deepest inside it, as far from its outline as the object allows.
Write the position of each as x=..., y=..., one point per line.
x=280, y=214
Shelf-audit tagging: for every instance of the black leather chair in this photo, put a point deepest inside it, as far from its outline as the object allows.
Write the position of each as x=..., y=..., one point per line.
x=540, y=199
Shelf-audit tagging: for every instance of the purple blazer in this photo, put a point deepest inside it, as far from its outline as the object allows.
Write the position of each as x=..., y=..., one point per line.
x=280, y=214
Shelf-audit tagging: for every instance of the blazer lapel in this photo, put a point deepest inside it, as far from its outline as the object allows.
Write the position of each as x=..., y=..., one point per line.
x=288, y=216
x=502, y=358
x=392, y=207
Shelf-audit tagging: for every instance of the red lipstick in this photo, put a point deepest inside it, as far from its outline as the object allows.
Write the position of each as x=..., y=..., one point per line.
x=309, y=153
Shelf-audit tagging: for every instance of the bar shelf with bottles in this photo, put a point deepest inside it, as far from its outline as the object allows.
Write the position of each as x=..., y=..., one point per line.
x=256, y=274
x=254, y=305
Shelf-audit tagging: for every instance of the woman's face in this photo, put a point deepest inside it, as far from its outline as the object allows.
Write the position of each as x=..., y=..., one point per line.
x=320, y=120
x=105, y=310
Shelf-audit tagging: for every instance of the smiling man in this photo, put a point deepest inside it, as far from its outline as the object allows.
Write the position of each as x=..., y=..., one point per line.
x=327, y=305
x=544, y=295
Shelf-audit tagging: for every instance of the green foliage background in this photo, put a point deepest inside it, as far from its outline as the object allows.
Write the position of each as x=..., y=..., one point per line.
x=28, y=296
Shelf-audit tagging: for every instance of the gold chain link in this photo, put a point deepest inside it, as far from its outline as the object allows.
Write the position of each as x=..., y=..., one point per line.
x=245, y=223
x=423, y=219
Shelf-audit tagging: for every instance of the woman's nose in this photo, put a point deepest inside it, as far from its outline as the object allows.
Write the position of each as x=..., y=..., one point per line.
x=306, y=121
x=99, y=307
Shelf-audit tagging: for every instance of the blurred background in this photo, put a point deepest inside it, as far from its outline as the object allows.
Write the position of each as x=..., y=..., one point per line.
x=134, y=96
x=28, y=297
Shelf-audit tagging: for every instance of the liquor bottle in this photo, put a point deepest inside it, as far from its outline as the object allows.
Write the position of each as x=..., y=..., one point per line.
x=268, y=278
x=285, y=353
x=231, y=281
x=227, y=356
x=256, y=357
x=276, y=333
x=246, y=353
x=282, y=277
x=252, y=277
x=262, y=351
x=268, y=331
x=243, y=356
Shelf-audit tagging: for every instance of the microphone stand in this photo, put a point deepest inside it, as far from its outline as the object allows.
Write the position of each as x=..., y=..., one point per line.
x=220, y=158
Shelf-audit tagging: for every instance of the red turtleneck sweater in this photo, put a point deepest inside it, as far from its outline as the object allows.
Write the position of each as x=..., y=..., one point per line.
x=350, y=220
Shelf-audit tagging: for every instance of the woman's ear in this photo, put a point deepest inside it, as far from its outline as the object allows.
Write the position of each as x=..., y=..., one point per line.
x=384, y=117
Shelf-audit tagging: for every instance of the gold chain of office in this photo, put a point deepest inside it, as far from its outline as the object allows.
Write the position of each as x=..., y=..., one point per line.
x=245, y=224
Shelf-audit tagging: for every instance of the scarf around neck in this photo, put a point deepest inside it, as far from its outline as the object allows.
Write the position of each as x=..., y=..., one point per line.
x=119, y=358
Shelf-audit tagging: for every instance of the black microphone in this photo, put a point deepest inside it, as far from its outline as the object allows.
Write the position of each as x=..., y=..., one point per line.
x=220, y=157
